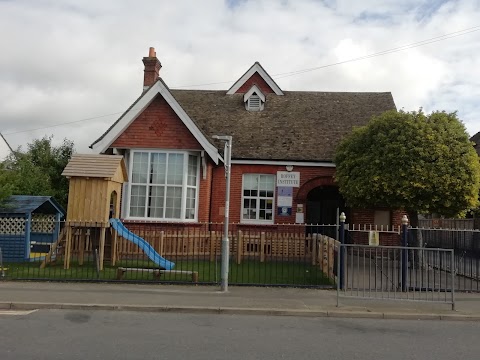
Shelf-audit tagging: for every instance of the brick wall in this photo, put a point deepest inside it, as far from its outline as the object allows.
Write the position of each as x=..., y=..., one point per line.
x=205, y=193
x=255, y=79
x=367, y=216
x=157, y=127
x=310, y=177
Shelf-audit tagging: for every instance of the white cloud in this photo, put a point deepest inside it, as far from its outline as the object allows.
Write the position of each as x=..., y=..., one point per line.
x=68, y=60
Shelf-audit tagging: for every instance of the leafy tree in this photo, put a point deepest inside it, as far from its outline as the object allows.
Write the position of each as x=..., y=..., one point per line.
x=37, y=171
x=412, y=161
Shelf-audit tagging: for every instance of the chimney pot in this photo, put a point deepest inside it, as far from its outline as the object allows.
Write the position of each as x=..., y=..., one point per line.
x=151, y=52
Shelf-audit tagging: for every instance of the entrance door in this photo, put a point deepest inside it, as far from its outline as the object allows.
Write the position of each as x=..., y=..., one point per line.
x=323, y=205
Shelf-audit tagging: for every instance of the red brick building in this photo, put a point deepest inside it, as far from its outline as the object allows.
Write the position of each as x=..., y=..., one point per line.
x=282, y=154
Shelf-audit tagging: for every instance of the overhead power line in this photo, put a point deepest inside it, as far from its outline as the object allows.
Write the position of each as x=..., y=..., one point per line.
x=293, y=73
x=384, y=52
x=61, y=124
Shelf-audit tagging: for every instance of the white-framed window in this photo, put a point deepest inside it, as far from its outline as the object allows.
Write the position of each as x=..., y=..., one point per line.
x=163, y=185
x=258, y=195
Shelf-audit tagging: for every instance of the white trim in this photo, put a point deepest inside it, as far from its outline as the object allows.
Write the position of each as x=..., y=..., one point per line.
x=256, y=90
x=125, y=205
x=184, y=187
x=257, y=221
x=255, y=68
x=158, y=88
x=283, y=163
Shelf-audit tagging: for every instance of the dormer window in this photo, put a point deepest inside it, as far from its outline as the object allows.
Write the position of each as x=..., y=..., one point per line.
x=254, y=99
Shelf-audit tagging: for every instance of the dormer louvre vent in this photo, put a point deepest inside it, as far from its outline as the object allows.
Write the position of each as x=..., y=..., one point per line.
x=254, y=103
x=254, y=99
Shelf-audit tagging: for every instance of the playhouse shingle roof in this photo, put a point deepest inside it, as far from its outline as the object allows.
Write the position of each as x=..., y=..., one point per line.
x=301, y=126
x=24, y=204
x=93, y=165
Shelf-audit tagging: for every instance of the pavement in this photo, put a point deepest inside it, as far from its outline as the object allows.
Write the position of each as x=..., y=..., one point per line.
x=238, y=300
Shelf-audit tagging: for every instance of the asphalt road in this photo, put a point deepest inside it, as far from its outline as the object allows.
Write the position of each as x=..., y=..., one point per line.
x=58, y=334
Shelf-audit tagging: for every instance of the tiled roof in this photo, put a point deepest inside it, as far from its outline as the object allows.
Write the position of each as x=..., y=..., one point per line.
x=300, y=126
x=476, y=139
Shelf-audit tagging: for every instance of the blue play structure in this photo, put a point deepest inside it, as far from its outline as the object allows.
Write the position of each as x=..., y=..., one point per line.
x=29, y=225
x=142, y=244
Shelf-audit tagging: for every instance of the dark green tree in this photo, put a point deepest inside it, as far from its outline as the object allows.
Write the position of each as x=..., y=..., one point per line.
x=410, y=160
x=37, y=171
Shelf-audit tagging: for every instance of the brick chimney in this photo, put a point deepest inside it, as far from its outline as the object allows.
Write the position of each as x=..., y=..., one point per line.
x=152, y=69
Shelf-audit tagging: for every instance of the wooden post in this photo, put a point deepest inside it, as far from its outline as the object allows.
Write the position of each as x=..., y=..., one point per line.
x=195, y=276
x=331, y=258
x=81, y=245
x=114, y=249
x=101, y=249
x=120, y=273
x=162, y=236
x=213, y=239
x=68, y=245
x=240, y=247
x=262, y=247
x=324, y=254
x=314, y=238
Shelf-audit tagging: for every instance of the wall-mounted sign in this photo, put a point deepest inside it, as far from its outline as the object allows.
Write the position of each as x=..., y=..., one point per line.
x=299, y=218
x=288, y=178
x=299, y=215
x=284, y=201
x=284, y=211
x=373, y=238
x=284, y=196
x=285, y=191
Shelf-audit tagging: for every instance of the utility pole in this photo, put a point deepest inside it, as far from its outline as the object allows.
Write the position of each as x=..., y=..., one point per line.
x=6, y=142
x=227, y=158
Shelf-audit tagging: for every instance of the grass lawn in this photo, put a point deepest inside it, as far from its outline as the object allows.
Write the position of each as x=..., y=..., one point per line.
x=248, y=272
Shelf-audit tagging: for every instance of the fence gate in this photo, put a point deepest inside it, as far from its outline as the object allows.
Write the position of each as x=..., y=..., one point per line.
x=396, y=273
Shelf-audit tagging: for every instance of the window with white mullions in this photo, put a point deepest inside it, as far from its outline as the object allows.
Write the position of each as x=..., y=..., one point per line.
x=258, y=196
x=164, y=185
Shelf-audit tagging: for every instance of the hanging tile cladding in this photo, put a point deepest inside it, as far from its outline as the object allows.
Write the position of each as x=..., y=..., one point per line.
x=157, y=127
x=255, y=79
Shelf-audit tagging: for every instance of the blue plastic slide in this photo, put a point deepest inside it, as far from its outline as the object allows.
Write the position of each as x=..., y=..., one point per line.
x=142, y=244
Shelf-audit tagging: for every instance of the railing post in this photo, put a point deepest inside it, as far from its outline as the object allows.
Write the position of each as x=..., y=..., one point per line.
x=341, y=276
x=404, y=252
x=2, y=270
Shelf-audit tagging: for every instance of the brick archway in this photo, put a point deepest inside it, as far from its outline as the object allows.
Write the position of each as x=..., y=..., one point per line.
x=312, y=184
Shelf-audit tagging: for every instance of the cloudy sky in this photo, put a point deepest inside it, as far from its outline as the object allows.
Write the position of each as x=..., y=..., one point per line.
x=64, y=61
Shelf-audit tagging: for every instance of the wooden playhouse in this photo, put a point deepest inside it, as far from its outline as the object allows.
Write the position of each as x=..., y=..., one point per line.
x=94, y=197
x=29, y=225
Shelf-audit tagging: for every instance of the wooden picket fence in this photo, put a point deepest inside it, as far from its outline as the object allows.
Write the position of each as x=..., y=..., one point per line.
x=325, y=254
x=261, y=245
x=201, y=244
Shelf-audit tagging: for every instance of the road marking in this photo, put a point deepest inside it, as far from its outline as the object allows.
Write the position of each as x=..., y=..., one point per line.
x=17, y=312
